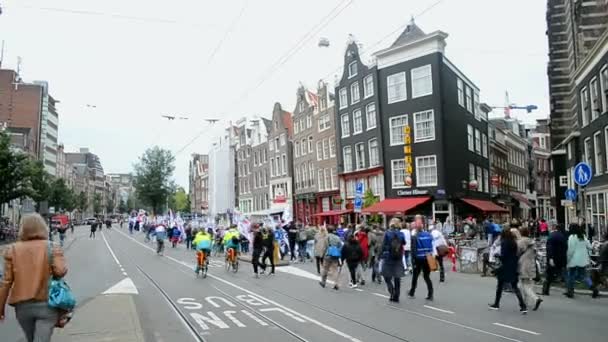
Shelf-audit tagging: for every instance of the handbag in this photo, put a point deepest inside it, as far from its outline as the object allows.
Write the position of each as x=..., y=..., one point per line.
x=442, y=250
x=430, y=259
x=60, y=294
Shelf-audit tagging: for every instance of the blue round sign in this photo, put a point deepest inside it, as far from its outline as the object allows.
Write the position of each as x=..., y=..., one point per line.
x=582, y=174
x=570, y=195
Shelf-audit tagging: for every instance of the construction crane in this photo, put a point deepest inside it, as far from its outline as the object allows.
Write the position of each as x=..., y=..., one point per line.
x=510, y=106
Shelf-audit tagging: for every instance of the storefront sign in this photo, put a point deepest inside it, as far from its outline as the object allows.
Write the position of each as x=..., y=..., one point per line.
x=407, y=150
x=412, y=192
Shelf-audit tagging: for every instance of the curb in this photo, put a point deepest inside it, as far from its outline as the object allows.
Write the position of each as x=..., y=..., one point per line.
x=539, y=289
x=247, y=259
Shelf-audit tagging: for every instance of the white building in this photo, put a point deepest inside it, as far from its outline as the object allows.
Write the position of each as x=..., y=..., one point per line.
x=49, y=129
x=221, y=177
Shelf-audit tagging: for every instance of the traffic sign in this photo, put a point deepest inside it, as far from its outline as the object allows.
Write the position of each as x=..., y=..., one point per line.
x=570, y=195
x=582, y=174
x=359, y=189
x=358, y=204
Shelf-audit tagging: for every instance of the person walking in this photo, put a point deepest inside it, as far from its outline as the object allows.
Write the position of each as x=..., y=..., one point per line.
x=292, y=234
x=407, y=258
x=362, y=237
x=258, y=250
x=268, y=243
x=27, y=271
x=320, y=247
x=578, y=259
x=557, y=251
x=93, y=229
x=301, y=239
x=392, y=259
x=440, y=246
x=331, y=261
x=352, y=255
x=422, y=245
x=526, y=249
x=507, y=272
x=189, y=237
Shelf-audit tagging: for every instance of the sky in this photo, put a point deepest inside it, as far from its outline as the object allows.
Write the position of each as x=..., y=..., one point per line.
x=136, y=60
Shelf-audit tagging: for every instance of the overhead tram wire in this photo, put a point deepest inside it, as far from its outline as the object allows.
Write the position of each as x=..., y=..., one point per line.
x=227, y=32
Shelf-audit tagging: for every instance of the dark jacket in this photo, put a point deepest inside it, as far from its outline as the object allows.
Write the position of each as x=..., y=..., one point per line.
x=557, y=249
x=352, y=252
x=258, y=242
x=268, y=241
x=391, y=267
x=509, y=261
x=603, y=258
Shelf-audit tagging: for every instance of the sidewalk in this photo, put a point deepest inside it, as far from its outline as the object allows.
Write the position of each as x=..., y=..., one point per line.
x=104, y=318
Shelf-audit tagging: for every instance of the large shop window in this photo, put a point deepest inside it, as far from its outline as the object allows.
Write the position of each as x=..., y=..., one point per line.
x=596, y=212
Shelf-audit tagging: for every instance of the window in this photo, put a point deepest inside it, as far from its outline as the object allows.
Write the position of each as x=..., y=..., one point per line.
x=279, y=166
x=570, y=146
x=256, y=158
x=325, y=148
x=595, y=99
x=398, y=173
x=297, y=149
x=354, y=93
x=470, y=138
x=296, y=127
x=357, y=122
x=347, y=156
x=396, y=87
x=270, y=146
x=360, y=156
x=376, y=183
x=310, y=144
x=604, y=88
x=350, y=188
x=368, y=86
x=304, y=171
x=324, y=122
x=319, y=151
x=424, y=126
x=477, y=141
x=426, y=171
x=606, y=145
x=460, y=86
x=311, y=173
x=308, y=121
x=276, y=144
x=422, y=81
x=303, y=147
x=586, y=111
x=374, y=157
x=471, y=172
x=321, y=180
x=352, y=69
x=484, y=145
x=345, y=125
x=327, y=173
x=284, y=158
x=332, y=147
x=469, y=99
x=334, y=178
x=272, y=167
x=370, y=116
x=343, y=98
x=479, y=179
x=301, y=106
x=599, y=162
x=397, y=126
x=587, y=151
x=486, y=181
x=282, y=136
x=323, y=103
x=265, y=155
x=297, y=172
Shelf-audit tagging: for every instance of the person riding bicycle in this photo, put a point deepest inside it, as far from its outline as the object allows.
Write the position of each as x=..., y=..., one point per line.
x=161, y=234
x=202, y=243
x=232, y=239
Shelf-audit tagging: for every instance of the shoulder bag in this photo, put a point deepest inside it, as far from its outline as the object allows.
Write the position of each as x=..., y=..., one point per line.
x=60, y=294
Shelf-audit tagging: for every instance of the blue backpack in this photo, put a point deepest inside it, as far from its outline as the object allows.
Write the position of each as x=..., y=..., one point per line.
x=333, y=251
x=60, y=294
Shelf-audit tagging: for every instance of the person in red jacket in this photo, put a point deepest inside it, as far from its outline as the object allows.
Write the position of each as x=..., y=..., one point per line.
x=362, y=237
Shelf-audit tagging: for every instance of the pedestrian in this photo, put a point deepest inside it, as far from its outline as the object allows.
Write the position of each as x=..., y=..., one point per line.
x=189, y=237
x=422, y=250
x=578, y=260
x=258, y=249
x=557, y=251
x=269, y=246
x=175, y=235
x=526, y=249
x=600, y=276
x=507, y=272
x=320, y=247
x=292, y=234
x=93, y=229
x=392, y=259
x=27, y=269
x=331, y=261
x=407, y=261
x=301, y=239
x=440, y=246
x=352, y=254
x=363, y=240
x=543, y=227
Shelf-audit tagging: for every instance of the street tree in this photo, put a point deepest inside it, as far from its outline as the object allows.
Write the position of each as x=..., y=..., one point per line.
x=59, y=194
x=97, y=205
x=370, y=199
x=153, y=175
x=39, y=181
x=13, y=172
x=82, y=202
x=122, y=207
x=110, y=206
x=179, y=201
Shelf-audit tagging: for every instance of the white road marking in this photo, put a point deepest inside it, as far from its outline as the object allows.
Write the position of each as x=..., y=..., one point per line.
x=438, y=309
x=255, y=318
x=380, y=295
x=230, y=315
x=124, y=273
x=124, y=286
x=288, y=314
x=518, y=329
x=110, y=249
x=359, y=290
x=312, y=320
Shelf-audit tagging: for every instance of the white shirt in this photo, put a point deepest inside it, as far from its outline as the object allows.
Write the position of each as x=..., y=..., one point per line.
x=408, y=239
x=438, y=239
x=160, y=229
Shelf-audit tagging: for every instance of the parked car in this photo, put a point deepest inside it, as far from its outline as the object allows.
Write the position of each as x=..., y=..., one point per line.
x=89, y=220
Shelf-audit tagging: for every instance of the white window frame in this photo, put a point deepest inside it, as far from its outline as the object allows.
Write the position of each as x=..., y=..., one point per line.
x=348, y=167
x=334, y=178
x=325, y=149
x=369, y=148
x=345, y=125
x=586, y=151
x=390, y=121
x=350, y=71
x=414, y=78
x=297, y=149
x=419, y=182
x=606, y=149
x=282, y=139
x=395, y=184
x=470, y=138
x=359, y=129
x=284, y=162
x=368, y=89
x=343, y=97
x=597, y=165
x=585, y=105
x=324, y=123
x=332, y=147
x=472, y=172
x=604, y=88
x=321, y=180
x=355, y=93
x=460, y=89
x=319, y=150
x=484, y=145
x=417, y=132
x=357, y=167
x=401, y=77
x=477, y=141
x=310, y=143
x=308, y=121
x=594, y=98
x=296, y=127
x=486, y=182
x=303, y=147
x=479, y=179
x=367, y=116
x=476, y=109
x=468, y=99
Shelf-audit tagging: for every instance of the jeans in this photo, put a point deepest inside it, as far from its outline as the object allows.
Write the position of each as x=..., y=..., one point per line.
x=352, y=269
x=92, y=235
x=407, y=262
x=420, y=265
x=319, y=264
x=499, y=288
x=292, y=250
x=553, y=273
x=393, y=285
x=577, y=273
x=375, y=262
x=302, y=250
x=37, y=320
x=330, y=265
x=188, y=242
x=255, y=259
x=441, y=269
x=268, y=255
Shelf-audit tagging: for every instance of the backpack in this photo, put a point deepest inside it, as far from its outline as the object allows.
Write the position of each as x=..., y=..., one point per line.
x=333, y=251
x=396, y=246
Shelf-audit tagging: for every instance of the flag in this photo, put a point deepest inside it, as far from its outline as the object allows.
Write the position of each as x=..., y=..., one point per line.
x=312, y=99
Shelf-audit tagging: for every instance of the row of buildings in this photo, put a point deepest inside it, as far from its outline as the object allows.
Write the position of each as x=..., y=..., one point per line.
x=408, y=126
x=28, y=113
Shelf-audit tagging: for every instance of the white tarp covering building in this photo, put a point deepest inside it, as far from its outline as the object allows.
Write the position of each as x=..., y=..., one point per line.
x=221, y=178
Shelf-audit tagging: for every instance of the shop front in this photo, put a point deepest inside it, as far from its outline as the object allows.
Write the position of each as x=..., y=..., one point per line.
x=306, y=207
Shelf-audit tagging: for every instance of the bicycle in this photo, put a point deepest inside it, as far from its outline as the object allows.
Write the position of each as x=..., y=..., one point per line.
x=202, y=260
x=232, y=260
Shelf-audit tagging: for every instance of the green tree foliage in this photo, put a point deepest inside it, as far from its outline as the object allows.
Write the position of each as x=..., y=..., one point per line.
x=370, y=199
x=97, y=205
x=153, y=175
x=122, y=207
x=40, y=182
x=179, y=201
x=82, y=202
x=59, y=195
x=110, y=206
x=14, y=178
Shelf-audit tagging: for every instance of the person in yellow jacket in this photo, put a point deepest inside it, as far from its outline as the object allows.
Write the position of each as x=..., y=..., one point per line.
x=232, y=239
x=202, y=243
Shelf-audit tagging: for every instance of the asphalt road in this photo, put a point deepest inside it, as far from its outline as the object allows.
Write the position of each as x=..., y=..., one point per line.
x=174, y=305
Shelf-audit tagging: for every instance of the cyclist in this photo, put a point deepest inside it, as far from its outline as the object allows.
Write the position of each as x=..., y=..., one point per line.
x=161, y=234
x=202, y=243
x=232, y=240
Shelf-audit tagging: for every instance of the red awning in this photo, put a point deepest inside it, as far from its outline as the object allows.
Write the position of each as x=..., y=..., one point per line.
x=485, y=206
x=334, y=213
x=394, y=206
x=522, y=199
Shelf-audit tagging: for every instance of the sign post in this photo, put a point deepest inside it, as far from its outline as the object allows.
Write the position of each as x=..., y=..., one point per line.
x=582, y=177
x=358, y=197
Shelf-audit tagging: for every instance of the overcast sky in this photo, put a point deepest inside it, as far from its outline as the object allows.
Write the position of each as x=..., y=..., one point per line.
x=136, y=60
